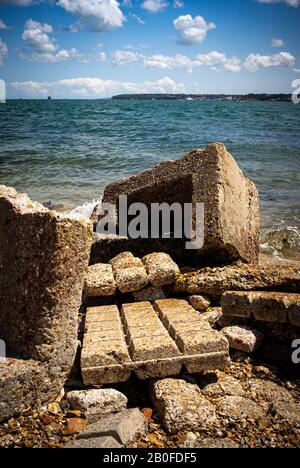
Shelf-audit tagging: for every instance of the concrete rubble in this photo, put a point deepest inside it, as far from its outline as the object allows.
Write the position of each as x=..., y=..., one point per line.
x=243, y=338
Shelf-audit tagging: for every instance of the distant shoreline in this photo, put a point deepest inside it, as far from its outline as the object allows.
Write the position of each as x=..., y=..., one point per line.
x=208, y=97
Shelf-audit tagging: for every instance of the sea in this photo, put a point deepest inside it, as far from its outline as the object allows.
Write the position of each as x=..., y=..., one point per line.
x=67, y=151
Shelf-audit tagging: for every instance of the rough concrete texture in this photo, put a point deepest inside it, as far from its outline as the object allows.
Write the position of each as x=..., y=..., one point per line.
x=209, y=176
x=131, y=279
x=99, y=281
x=217, y=384
x=125, y=260
x=95, y=403
x=199, y=303
x=243, y=338
x=124, y=427
x=149, y=343
x=181, y=406
x=44, y=258
x=239, y=277
x=102, y=442
x=151, y=294
x=263, y=306
x=238, y=408
x=161, y=269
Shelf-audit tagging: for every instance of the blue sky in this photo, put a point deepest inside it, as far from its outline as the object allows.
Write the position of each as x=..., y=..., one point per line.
x=97, y=48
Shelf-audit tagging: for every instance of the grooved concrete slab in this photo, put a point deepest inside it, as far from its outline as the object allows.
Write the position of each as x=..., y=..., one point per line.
x=150, y=341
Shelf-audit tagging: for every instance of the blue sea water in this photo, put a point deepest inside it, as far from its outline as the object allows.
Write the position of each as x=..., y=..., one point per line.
x=67, y=151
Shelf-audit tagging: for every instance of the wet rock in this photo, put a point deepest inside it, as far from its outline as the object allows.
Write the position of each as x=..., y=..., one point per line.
x=181, y=406
x=100, y=281
x=199, y=303
x=44, y=260
x=161, y=269
x=96, y=403
x=243, y=338
x=217, y=384
x=239, y=277
x=239, y=408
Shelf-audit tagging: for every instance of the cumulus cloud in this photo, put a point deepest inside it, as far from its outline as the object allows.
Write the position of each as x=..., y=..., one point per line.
x=3, y=51
x=93, y=87
x=277, y=42
x=95, y=15
x=163, y=62
x=123, y=57
x=154, y=6
x=40, y=47
x=178, y=4
x=293, y=3
x=192, y=30
x=255, y=61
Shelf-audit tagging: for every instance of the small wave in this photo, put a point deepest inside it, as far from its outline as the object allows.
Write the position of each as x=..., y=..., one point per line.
x=84, y=211
x=281, y=242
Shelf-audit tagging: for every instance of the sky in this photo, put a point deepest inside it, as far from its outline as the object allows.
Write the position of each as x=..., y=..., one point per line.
x=99, y=48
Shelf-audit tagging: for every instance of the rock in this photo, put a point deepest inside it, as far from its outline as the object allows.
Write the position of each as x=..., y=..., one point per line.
x=288, y=411
x=74, y=426
x=209, y=176
x=238, y=408
x=210, y=443
x=54, y=408
x=44, y=258
x=239, y=277
x=217, y=384
x=95, y=443
x=125, y=260
x=96, y=403
x=100, y=281
x=190, y=440
x=243, y=338
x=199, y=303
x=181, y=406
x=73, y=414
x=151, y=294
x=161, y=269
x=268, y=391
x=124, y=426
x=263, y=306
x=148, y=413
x=131, y=279
x=212, y=315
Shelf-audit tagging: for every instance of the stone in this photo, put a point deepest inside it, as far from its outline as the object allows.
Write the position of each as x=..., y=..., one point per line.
x=209, y=176
x=131, y=279
x=74, y=426
x=95, y=403
x=239, y=277
x=212, y=315
x=44, y=259
x=263, y=306
x=94, y=443
x=148, y=413
x=199, y=303
x=125, y=260
x=161, y=269
x=268, y=391
x=100, y=281
x=243, y=338
x=287, y=410
x=54, y=408
x=210, y=443
x=217, y=384
x=239, y=408
x=124, y=426
x=150, y=294
x=181, y=406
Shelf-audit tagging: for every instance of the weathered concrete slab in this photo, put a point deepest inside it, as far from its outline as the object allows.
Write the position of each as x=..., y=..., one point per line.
x=100, y=281
x=240, y=277
x=151, y=344
x=209, y=176
x=44, y=258
x=263, y=306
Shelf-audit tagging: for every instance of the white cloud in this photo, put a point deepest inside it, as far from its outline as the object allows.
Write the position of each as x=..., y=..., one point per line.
x=293, y=3
x=192, y=30
x=93, y=87
x=138, y=18
x=101, y=56
x=277, y=42
x=178, y=4
x=16, y=2
x=3, y=25
x=154, y=6
x=255, y=61
x=123, y=57
x=3, y=51
x=40, y=47
x=163, y=62
x=96, y=15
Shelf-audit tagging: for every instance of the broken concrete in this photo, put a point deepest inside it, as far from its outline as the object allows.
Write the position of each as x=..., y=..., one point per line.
x=243, y=338
x=199, y=303
x=150, y=294
x=100, y=281
x=44, y=258
x=181, y=406
x=272, y=307
x=161, y=269
x=238, y=408
x=211, y=177
x=240, y=277
x=217, y=384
